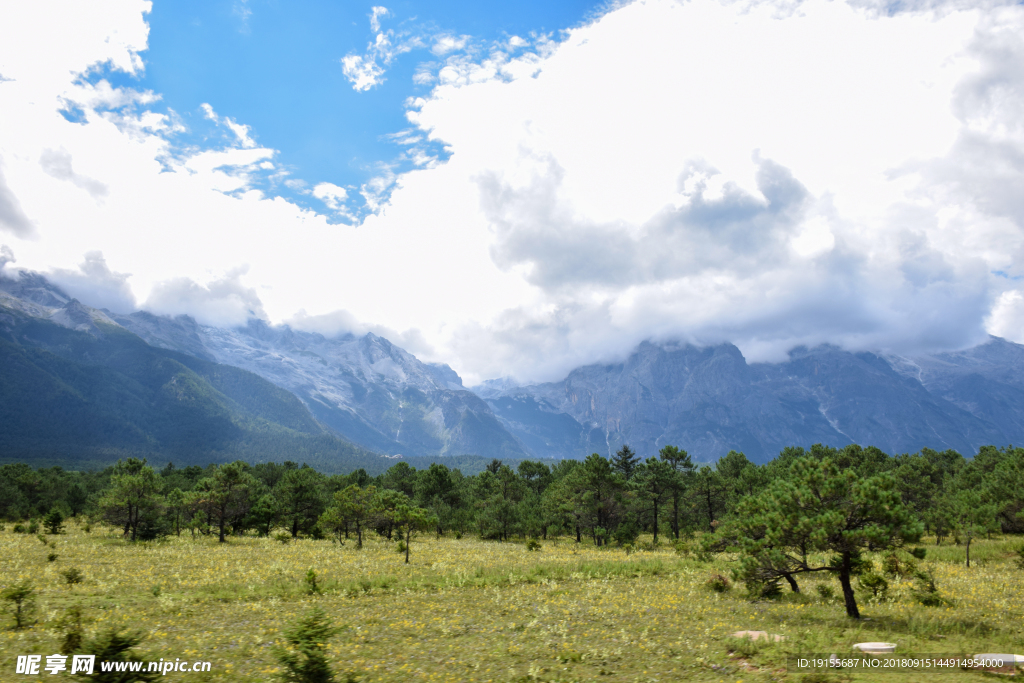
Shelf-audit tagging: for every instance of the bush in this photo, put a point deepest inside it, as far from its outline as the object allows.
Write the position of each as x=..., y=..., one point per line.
x=87, y=528
x=52, y=557
x=825, y=592
x=72, y=575
x=625, y=533
x=1020, y=557
x=533, y=544
x=892, y=566
x=919, y=553
x=20, y=529
x=926, y=592
x=875, y=583
x=71, y=624
x=305, y=661
x=115, y=645
x=43, y=539
x=282, y=537
x=769, y=589
x=21, y=599
x=54, y=522
x=33, y=527
x=400, y=547
x=718, y=583
x=312, y=587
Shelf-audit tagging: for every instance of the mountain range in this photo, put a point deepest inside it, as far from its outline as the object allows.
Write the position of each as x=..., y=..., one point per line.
x=710, y=401
x=81, y=384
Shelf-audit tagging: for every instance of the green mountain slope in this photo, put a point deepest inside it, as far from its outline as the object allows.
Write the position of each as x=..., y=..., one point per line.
x=82, y=399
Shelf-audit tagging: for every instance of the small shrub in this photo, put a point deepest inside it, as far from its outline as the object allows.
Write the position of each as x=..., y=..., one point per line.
x=365, y=585
x=875, y=583
x=20, y=529
x=926, y=592
x=682, y=547
x=156, y=590
x=458, y=535
x=919, y=553
x=87, y=528
x=43, y=539
x=1020, y=557
x=52, y=557
x=21, y=599
x=765, y=590
x=718, y=583
x=304, y=660
x=533, y=545
x=282, y=537
x=74, y=634
x=826, y=592
x=115, y=645
x=312, y=587
x=33, y=527
x=626, y=532
x=54, y=522
x=400, y=547
x=72, y=575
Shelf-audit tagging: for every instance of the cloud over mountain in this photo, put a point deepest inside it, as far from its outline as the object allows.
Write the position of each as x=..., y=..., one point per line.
x=765, y=173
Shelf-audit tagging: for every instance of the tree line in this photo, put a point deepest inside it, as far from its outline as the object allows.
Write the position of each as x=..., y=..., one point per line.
x=605, y=500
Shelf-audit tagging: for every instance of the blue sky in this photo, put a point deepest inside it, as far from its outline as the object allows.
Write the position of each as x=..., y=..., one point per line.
x=276, y=66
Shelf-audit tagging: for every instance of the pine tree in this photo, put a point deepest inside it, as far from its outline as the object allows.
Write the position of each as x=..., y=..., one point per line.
x=820, y=507
x=625, y=462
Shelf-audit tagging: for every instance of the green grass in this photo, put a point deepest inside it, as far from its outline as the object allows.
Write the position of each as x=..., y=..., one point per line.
x=471, y=610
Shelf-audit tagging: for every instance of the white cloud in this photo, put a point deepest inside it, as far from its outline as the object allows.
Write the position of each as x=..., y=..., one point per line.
x=240, y=131
x=332, y=195
x=57, y=164
x=363, y=72
x=224, y=301
x=12, y=218
x=375, y=16
x=445, y=43
x=94, y=282
x=341, y=322
x=765, y=173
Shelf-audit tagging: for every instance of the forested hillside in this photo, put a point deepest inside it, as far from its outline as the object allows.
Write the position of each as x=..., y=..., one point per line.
x=84, y=397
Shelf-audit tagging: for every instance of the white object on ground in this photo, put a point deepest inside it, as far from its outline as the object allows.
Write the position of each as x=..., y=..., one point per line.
x=875, y=647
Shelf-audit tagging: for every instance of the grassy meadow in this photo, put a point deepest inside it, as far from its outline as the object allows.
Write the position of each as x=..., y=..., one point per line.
x=472, y=610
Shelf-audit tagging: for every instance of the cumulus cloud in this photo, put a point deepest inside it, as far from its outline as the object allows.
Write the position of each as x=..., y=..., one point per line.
x=57, y=164
x=6, y=256
x=94, y=284
x=225, y=301
x=341, y=322
x=332, y=195
x=736, y=232
x=12, y=218
x=445, y=43
x=767, y=173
